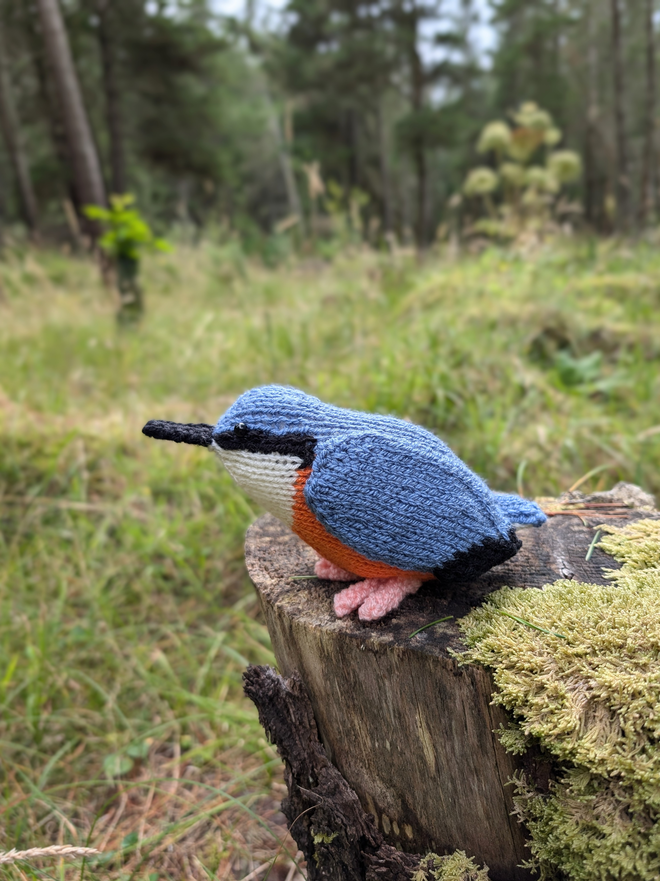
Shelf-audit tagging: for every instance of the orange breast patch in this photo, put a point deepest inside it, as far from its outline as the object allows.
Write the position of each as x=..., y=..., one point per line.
x=316, y=536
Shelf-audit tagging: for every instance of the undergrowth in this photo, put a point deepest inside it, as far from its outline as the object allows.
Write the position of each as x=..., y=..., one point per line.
x=126, y=616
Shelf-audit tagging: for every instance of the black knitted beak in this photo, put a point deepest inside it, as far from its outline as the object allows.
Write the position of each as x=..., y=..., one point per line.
x=190, y=433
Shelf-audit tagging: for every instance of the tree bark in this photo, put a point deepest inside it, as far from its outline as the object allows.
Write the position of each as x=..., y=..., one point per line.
x=340, y=841
x=286, y=166
x=419, y=151
x=648, y=194
x=419, y=161
x=112, y=99
x=622, y=164
x=14, y=142
x=48, y=99
x=593, y=190
x=410, y=731
x=86, y=169
x=385, y=182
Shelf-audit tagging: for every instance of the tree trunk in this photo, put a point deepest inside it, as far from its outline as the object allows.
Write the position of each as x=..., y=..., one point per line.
x=48, y=99
x=86, y=169
x=419, y=152
x=593, y=196
x=288, y=176
x=385, y=182
x=14, y=141
x=622, y=165
x=412, y=733
x=339, y=840
x=419, y=161
x=112, y=102
x=647, y=195
x=352, y=151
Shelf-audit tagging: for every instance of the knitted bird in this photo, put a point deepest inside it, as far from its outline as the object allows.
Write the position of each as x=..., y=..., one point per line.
x=385, y=503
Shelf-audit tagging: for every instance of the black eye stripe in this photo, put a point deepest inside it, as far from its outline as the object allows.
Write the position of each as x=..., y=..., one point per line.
x=255, y=440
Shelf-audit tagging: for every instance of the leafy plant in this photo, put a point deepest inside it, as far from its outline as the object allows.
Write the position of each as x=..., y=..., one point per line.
x=127, y=235
x=528, y=172
x=578, y=371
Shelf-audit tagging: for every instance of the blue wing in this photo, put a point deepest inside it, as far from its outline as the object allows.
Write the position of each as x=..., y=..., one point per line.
x=412, y=504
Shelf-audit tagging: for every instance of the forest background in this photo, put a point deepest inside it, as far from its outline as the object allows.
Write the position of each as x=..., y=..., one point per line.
x=308, y=165
x=241, y=122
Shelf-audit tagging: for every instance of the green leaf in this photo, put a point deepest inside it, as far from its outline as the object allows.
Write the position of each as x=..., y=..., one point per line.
x=126, y=232
x=138, y=750
x=130, y=840
x=116, y=765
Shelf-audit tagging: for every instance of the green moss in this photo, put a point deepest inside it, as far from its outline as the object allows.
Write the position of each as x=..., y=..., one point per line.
x=454, y=867
x=324, y=837
x=636, y=546
x=593, y=702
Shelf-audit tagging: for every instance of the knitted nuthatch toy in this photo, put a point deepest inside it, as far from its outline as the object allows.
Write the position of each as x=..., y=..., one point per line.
x=384, y=502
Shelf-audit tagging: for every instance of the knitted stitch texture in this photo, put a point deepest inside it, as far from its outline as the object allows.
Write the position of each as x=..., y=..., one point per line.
x=374, y=597
x=388, y=490
x=375, y=496
x=340, y=554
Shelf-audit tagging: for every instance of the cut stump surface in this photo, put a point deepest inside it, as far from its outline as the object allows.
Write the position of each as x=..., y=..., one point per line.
x=411, y=731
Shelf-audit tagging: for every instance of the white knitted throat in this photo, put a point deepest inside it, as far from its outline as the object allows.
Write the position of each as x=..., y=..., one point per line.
x=268, y=478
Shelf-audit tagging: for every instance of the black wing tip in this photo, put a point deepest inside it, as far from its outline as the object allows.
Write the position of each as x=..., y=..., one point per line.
x=480, y=558
x=199, y=434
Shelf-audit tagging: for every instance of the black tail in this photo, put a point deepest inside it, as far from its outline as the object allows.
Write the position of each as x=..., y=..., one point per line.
x=470, y=564
x=190, y=433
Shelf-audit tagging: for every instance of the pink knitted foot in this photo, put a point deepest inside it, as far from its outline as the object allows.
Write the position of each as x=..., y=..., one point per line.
x=387, y=597
x=327, y=570
x=374, y=597
x=351, y=598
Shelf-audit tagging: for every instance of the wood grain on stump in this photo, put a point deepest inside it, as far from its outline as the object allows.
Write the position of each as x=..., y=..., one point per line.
x=411, y=732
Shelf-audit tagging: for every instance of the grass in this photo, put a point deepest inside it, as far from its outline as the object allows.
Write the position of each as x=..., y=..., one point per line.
x=126, y=616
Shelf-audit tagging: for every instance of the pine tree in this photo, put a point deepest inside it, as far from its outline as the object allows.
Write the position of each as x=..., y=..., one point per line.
x=14, y=138
x=86, y=168
x=622, y=163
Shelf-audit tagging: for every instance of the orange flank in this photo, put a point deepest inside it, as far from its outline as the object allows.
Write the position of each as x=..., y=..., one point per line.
x=316, y=536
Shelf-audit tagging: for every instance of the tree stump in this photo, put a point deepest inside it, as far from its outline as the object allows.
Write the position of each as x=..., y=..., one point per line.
x=412, y=733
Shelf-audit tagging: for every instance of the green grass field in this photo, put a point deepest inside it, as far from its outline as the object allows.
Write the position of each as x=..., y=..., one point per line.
x=126, y=616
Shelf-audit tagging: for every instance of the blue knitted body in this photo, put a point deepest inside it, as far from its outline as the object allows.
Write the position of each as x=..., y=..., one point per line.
x=389, y=489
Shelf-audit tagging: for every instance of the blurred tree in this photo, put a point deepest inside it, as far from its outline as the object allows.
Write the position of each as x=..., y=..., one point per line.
x=13, y=137
x=595, y=178
x=425, y=127
x=50, y=156
x=172, y=69
x=649, y=184
x=211, y=119
x=336, y=63
x=107, y=12
x=199, y=119
x=363, y=70
x=86, y=169
x=527, y=64
x=259, y=46
x=623, y=181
